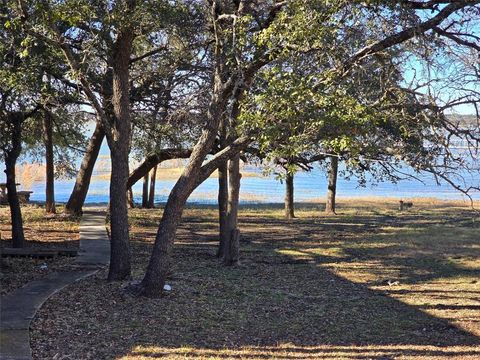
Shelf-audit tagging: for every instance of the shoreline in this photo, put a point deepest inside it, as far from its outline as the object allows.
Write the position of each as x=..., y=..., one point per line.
x=360, y=200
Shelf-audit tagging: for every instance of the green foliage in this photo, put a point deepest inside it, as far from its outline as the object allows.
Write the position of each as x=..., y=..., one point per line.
x=303, y=103
x=294, y=115
x=302, y=99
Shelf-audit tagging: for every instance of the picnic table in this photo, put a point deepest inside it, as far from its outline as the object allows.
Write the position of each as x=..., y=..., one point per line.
x=23, y=195
x=3, y=188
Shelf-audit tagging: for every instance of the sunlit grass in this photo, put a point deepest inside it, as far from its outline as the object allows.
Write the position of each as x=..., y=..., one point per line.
x=370, y=282
x=293, y=351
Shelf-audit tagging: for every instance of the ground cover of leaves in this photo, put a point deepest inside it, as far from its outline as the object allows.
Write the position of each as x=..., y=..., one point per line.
x=43, y=232
x=368, y=283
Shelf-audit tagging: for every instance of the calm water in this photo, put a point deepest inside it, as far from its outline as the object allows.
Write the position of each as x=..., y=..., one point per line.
x=309, y=186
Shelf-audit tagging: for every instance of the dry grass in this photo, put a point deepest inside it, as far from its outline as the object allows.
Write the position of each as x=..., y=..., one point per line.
x=370, y=283
x=40, y=232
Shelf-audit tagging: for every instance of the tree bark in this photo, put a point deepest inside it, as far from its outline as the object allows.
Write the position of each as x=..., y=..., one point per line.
x=222, y=196
x=153, y=160
x=120, y=246
x=289, y=203
x=118, y=131
x=49, y=163
x=151, y=193
x=82, y=182
x=222, y=209
x=225, y=88
x=332, y=185
x=160, y=260
x=130, y=202
x=11, y=155
x=18, y=238
x=145, y=191
x=118, y=138
x=232, y=247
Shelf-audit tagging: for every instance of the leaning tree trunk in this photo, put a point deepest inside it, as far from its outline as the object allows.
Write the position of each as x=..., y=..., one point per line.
x=49, y=163
x=160, y=261
x=159, y=266
x=151, y=192
x=145, y=192
x=119, y=142
x=11, y=155
x=232, y=247
x=193, y=175
x=80, y=190
x=332, y=185
x=289, y=204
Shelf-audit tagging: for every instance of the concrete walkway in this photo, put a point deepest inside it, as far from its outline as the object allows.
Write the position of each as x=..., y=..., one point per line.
x=17, y=309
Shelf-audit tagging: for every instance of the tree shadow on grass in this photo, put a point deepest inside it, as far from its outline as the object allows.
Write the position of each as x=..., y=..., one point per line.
x=420, y=247
x=276, y=305
x=284, y=301
x=290, y=310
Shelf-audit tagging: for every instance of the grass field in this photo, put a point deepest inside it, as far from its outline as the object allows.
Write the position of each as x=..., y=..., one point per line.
x=369, y=283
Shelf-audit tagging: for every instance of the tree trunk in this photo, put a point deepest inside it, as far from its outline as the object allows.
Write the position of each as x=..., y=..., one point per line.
x=120, y=245
x=145, y=192
x=82, y=182
x=289, y=203
x=232, y=247
x=11, y=155
x=130, y=202
x=222, y=195
x=151, y=193
x=160, y=260
x=118, y=138
x=159, y=266
x=222, y=209
x=18, y=238
x=49, y=163
x=332, y=185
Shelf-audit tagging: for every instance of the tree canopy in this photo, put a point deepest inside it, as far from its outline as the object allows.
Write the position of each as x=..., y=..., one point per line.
x=373, y=83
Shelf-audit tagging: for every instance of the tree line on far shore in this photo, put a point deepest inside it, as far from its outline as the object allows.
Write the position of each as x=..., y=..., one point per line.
x=282, y=83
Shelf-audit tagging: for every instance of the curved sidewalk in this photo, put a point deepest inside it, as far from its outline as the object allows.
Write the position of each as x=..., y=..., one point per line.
x=18, y=308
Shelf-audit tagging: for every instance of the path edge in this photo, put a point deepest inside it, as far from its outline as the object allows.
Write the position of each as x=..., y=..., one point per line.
x=94, y=255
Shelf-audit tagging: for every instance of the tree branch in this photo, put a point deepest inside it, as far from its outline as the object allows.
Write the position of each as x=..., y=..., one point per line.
x=407, y=34
x=154, y=159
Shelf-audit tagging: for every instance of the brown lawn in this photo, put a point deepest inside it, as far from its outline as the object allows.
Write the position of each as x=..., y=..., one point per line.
x=40, y=232
x=369, y=283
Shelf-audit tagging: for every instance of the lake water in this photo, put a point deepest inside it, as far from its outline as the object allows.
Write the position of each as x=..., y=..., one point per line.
x=309, y=186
